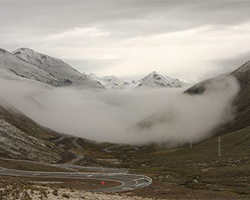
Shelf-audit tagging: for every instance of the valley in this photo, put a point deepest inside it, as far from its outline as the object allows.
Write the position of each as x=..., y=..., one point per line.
x=44, y=160
x=124, y=100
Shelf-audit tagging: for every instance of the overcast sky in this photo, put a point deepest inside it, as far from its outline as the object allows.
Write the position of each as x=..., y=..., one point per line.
x=131, y=38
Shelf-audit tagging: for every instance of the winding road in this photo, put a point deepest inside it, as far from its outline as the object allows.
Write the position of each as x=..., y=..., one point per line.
x=128, y=181
x=108, y=149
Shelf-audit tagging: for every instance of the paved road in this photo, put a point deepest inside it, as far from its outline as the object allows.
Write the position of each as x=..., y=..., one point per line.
x=59, y=139
x=76, y=144
x=128, y=181
x=108, y=149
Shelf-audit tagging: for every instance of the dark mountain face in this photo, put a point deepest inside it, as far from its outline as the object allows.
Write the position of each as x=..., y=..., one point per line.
x=242, y=74
x=199, y=88
x=241, y=103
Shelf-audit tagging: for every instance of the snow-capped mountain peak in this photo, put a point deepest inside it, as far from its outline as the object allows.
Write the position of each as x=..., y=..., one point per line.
x=155, y=80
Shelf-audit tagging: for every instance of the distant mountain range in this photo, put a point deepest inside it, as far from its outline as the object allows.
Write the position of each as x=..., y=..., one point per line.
x=29, y=64
x=152, y=80
x=113, y=82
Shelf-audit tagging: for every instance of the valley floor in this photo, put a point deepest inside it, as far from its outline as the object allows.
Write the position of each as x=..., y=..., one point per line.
x=180, y=173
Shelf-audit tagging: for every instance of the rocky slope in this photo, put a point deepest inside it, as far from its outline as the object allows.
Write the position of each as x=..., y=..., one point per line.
x=22, y=138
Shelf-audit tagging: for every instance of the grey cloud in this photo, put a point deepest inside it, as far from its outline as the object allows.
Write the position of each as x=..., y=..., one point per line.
x=30, y=23
x=91, y=66
x=227, y=65
x=235, y=62
x=109, y=115
x=121, y=18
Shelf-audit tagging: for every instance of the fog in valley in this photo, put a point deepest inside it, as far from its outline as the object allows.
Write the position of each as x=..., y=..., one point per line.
x=113, y=116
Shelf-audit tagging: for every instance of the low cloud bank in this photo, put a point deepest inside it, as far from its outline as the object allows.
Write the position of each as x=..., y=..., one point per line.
x=113, y=116
x=190, y=118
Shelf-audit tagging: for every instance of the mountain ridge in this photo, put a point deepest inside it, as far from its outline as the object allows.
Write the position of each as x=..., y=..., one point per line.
x=14, y=66
x=63, y=72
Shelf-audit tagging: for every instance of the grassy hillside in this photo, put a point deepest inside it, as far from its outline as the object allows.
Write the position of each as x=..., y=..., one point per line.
x=199, y=169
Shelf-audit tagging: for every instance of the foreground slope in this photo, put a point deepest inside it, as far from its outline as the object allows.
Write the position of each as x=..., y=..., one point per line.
x=64, y=73
x=22, y=138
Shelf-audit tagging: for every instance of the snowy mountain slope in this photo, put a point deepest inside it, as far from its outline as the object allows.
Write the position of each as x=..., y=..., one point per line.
x=29, y=64
x=64, y=73
x=155, y=80
x=112, y=82
x=11, y=65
